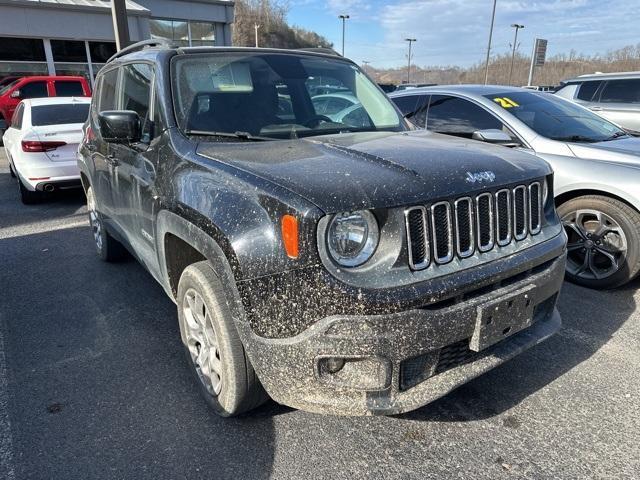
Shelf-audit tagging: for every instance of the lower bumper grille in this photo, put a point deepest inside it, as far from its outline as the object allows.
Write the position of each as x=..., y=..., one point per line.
x=417, y=369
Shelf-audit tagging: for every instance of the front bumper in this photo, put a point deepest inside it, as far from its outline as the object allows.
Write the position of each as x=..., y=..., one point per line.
x=401, y=361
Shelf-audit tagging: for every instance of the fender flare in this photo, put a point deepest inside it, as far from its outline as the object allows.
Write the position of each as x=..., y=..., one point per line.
x=221, y=262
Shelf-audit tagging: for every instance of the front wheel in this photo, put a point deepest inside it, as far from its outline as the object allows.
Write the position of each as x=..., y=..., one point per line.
x=603, y=249
x=213, y=348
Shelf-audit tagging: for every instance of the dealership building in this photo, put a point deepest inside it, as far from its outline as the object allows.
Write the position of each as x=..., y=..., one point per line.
x=76, y=37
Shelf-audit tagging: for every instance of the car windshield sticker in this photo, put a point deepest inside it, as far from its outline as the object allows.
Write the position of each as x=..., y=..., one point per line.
x=505, y=102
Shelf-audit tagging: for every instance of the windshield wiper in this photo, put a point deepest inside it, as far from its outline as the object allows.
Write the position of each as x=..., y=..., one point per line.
x=575, y=138
x=616, y=135
x=238, y=134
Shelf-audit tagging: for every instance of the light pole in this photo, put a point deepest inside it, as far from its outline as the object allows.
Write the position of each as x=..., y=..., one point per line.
x=410, y=40
x=365, y=63
x=344, y=19
x=486, y=67
x=256, y=27
x=515, y=43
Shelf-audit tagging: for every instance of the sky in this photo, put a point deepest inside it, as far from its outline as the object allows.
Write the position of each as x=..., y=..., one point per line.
x=456, y=32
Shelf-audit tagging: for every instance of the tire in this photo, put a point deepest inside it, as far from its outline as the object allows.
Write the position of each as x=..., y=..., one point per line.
x=27, y=196
x=107, y=247
x=206, y=321
x=12, y=172
x=610, y=230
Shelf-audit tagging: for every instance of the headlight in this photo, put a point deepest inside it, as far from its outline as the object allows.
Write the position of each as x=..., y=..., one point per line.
x=545, y=191
x=352, y=237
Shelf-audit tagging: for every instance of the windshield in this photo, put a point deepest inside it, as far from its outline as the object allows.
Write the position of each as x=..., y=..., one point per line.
x=276, y=96
x=59, y=114
x=555, y=118
x=8, y=87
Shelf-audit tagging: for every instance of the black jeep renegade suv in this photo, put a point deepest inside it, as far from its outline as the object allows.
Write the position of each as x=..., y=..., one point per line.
x=319, y=251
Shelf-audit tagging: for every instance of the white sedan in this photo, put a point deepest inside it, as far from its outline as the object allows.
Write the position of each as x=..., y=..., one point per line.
x=41, y=144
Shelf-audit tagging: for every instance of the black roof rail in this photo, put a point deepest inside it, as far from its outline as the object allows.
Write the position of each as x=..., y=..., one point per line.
x=328, y=51
x=154, y=42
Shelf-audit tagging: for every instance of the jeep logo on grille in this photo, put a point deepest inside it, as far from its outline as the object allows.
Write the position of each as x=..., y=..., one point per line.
x=487, y=176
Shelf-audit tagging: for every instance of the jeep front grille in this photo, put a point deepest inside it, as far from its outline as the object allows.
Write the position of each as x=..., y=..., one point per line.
x=472, y=225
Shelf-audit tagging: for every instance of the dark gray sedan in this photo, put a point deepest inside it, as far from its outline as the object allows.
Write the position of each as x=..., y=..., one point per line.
x=596, y=163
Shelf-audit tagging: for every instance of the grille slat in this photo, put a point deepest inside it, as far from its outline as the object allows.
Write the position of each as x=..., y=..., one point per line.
x=464, y=227
x=491, y=219
x=442, y=229
x=503, y=217
x=519, y=212
x=484, y=219
x=535, y=208
x=417, y=237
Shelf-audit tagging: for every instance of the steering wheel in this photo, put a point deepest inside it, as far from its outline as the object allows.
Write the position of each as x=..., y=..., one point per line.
x=315, y=120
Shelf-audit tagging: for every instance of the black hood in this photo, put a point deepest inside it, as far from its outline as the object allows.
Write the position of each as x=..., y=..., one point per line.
x=370, y=170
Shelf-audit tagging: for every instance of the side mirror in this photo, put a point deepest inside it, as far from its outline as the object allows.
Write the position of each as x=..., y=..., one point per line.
x=16, y=94
x=119, y=126
x=492, y=136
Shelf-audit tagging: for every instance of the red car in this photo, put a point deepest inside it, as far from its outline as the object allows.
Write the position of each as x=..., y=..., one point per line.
x=38, y=87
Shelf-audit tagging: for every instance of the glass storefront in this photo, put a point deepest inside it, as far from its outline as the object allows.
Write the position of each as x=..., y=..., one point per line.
x=21, y=57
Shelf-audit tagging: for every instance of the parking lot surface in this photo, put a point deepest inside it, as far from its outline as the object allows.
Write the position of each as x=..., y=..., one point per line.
x=94, y=384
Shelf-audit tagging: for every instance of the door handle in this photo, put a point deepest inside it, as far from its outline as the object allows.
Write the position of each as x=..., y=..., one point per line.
x=595, y=109
x=112, y=160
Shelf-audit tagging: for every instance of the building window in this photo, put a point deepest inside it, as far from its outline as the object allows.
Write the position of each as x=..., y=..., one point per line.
x=70, y=58
x=68, y=51
x=21, y=69
x=175, y=30
x=202, y=34
x=21, y=57
x=182, y=32
x=101, y=51
x=22, y=49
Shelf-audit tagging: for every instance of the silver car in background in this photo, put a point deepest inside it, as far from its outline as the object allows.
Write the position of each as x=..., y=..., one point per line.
x=615, y=96
x=596, y=164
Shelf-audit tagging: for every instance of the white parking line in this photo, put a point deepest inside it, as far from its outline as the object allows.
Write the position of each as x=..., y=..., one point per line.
x=44, y=227
x=6, y=443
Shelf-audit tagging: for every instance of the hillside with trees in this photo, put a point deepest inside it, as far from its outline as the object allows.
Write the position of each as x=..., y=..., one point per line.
x=273, y=31
x=557, y=68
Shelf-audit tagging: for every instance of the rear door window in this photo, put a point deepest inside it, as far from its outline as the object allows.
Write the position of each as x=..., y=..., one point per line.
x=69, y=89
x=107, y=99
x=34, y=90
x=587, y=90
x=59, y=114
x=407, y=103
x=621, y=91
x=456, y=116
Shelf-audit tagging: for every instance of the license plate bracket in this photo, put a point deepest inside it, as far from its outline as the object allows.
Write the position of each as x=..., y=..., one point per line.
x=500, y=318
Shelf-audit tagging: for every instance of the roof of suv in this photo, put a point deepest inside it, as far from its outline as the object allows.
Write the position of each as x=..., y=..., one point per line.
x=151, y=52
x=604, y=76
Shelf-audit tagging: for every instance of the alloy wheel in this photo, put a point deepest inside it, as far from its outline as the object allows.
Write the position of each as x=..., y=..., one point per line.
x=597, y=244
x=202, y=341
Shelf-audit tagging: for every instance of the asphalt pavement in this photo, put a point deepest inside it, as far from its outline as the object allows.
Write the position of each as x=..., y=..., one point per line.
x=94, y=384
